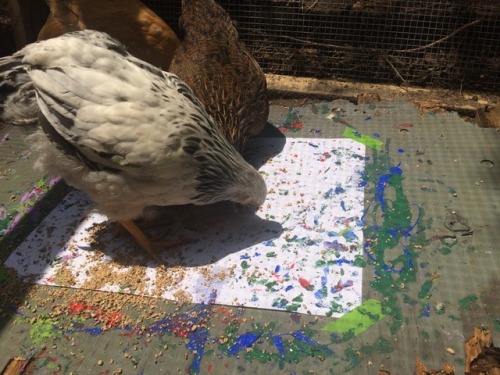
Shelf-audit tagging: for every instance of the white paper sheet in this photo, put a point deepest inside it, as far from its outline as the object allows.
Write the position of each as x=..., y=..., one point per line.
x=297, y=253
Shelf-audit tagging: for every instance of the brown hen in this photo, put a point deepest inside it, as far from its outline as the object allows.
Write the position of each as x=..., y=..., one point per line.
x=144, y=33
x=221, y=71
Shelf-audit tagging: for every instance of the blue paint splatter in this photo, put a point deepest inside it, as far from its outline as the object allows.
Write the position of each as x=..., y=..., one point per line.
x=350, y=236
x=395, y=232
x=321, y=293
x=376, y=135
x=288, y=288
x=367, y=118
x=335, y=245
x=246, y=340
x=277, y=269
x=343, y=261
x=94, y=331
x=337, y=288
x=339, y=190
x=400, y=150
x=425, y=310
x=328, y=194
x=278, y=343
x=342, y=205
x=196, y=345
x=382, y=183
x=324, y=277
x=301, y=336
x=280, y=303
x=212, y=297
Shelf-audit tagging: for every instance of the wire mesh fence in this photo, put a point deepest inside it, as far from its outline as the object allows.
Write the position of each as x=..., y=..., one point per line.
x=444, y=43
x=436, y=43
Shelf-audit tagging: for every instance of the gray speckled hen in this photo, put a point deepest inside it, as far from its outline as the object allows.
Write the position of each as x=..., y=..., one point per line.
x=222, y=73
x=128, y=134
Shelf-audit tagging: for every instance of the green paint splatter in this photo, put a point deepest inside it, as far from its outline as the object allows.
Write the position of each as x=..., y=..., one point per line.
x=323, y=108
x=496, y=323
x=460, y=361
x=445, y=250
x=362, y=138
x=271, y=254
x=409, y=301
x=396, y=219
x=359, y=261
x=271, y=286
x=425, y=289
x=293, y=307
x=41, y=330
x=320, y=264
x=426, y=335
x=379, y=346
x=466, y=302
x=245, y=265
x=262, y=356
x=358, y=320
x=334, y=308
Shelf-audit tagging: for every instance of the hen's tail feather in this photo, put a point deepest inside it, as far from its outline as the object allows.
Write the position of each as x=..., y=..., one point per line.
x=17, y=95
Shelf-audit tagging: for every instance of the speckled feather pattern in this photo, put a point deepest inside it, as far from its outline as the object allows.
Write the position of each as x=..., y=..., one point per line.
x=220, y=70
x=127, y=133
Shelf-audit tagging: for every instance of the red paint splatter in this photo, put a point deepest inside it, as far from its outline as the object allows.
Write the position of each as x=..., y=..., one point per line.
x=305, y=284
x=402, y=126
x=295, y=317
x=209, y=368
x=294, y=126
x=110, y=319
x=325, y=156
x=339, y=286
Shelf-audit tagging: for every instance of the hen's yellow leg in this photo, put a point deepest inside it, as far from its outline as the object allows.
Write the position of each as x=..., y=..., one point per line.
x=141, y=239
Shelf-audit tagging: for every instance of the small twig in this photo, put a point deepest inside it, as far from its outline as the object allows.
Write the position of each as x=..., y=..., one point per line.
x=312, y=5
x=395, y=70
x=439, y=40
x=378, y=50
x=348, y=48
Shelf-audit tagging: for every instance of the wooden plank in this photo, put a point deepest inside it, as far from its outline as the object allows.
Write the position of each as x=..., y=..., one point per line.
x=14, y=366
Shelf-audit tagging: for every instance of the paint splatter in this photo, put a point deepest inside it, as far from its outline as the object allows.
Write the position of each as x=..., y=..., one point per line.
x=466, y=302
x=397, y=230
x=358, y=320
x=362, y=138
x=306, y=284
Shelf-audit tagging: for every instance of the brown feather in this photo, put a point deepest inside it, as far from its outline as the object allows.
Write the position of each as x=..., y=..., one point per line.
x=221, y=71
x=144, y=33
